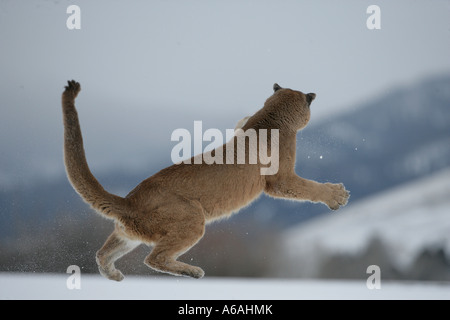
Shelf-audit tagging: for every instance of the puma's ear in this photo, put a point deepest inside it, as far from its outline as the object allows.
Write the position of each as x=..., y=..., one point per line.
x=310, y=97
x=276, y=87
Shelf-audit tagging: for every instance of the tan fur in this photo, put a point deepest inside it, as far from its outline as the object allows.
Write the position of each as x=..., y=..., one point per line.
x=170, y=209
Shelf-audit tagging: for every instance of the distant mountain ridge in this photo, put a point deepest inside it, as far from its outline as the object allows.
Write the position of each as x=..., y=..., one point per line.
x=396, y=138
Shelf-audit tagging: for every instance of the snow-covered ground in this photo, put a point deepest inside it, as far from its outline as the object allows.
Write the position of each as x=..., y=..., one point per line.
x=53, y=286
x=406, y=220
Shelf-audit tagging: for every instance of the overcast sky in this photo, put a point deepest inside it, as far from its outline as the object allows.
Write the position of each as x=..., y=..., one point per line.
x=149, y=67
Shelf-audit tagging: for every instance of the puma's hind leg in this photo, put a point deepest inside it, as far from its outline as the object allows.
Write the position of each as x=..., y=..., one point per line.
x=115, y=247
x=182, y=236
x=163, y=258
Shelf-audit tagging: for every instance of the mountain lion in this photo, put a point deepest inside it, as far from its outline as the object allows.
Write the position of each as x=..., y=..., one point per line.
x=169, y=210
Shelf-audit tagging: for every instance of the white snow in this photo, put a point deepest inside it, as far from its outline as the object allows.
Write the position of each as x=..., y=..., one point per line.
x=53, y=286
x=406, y=219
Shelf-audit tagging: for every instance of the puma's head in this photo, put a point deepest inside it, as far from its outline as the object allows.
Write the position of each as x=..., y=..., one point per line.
x=286, y=109
x=291, y=106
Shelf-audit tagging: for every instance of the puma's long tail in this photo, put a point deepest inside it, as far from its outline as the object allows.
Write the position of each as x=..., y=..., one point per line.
x=78, y=172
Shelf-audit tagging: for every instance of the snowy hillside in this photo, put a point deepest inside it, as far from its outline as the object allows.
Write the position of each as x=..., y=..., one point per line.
x=51, y=286
x=402, y=230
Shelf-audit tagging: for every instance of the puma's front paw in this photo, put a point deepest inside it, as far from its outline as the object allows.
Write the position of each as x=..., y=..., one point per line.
x=335, y=195
x=72, y=89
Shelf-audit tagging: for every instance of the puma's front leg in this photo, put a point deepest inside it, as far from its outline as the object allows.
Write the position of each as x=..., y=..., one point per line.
x=295, y=187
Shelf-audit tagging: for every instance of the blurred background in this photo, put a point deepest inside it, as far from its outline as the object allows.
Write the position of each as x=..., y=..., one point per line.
x=380, y=124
